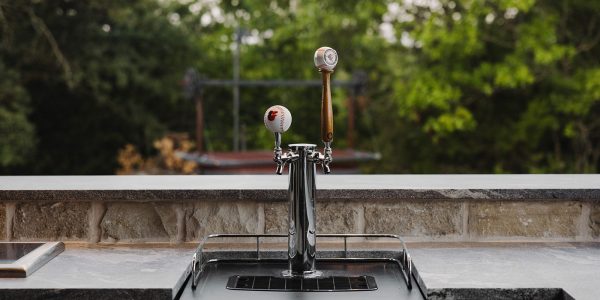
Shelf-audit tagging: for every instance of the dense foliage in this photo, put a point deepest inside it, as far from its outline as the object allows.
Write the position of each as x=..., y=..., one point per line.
x=453, y=86
x=85, y=78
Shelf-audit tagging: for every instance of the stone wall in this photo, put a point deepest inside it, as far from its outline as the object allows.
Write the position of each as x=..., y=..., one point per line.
x=189, y=221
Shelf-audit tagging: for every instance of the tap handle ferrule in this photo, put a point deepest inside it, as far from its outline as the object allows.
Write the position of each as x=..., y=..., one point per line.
x=327, y=157
x=277, y=154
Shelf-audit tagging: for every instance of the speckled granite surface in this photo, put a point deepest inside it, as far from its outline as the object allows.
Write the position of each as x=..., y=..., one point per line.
x=266, y=187
x=512, y=270
x=104, y=273
x=493, y=272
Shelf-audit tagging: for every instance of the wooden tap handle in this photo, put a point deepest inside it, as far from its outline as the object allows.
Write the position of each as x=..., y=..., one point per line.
x=326, y=109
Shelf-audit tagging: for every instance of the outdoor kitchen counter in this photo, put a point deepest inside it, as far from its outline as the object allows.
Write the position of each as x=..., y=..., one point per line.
x=330, y=187
x=183, y=209
x=104, y=273
x=106, y=213
x=507, y=270
x=447, y=269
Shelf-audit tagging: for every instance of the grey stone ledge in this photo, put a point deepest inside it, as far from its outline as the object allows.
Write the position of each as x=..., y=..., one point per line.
x=274, y=188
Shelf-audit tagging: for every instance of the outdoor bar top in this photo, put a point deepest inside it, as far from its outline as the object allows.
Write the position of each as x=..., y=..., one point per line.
x=521, y=235
x=332, y=187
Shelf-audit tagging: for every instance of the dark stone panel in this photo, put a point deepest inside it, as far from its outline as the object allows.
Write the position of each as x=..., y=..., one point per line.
x=497, y=294
x=281, y=194
x=82, y=294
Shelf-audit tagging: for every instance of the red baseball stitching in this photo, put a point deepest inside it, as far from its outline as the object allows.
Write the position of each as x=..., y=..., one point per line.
x=282, y=118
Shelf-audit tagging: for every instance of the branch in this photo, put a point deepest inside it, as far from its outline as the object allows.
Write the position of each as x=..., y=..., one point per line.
x=595, y=39
x=497, y=42
x=41, y=28
x=583, y=47
x=4, y=22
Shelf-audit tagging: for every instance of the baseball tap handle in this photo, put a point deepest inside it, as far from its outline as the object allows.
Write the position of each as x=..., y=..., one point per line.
x=325, y=60
x=278, y=120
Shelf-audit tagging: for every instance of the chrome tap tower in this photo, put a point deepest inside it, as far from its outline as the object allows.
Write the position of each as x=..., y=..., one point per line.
x=302, y=160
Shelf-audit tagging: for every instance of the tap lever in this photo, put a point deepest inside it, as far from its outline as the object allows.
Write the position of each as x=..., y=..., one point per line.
x=326, y=60
x=277, y=154
x=327, y=157
x=278, y=120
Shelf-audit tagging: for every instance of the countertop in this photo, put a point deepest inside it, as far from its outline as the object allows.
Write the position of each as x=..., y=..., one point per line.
x=329, y=187
x=156, y=273
x=574, y=268
x=104, y=273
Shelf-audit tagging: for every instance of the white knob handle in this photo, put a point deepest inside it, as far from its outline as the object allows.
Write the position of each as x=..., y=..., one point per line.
x=326, y=59
x=278, y=119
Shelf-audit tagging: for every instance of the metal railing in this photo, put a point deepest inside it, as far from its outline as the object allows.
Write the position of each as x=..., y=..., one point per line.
x=402, y=258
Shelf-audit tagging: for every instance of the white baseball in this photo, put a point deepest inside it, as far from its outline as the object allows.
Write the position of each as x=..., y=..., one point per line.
x=278, y=119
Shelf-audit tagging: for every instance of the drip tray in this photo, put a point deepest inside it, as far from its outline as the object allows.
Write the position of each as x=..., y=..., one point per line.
x=283, y=284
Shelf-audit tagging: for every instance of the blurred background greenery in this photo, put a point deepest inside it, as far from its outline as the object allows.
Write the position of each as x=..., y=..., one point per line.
x=496, y=86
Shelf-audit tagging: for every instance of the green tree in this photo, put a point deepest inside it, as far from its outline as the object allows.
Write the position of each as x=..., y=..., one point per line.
x=454, y=86
x=494, y=86
x=16, y=132
x=280, y=38
x=99, y=75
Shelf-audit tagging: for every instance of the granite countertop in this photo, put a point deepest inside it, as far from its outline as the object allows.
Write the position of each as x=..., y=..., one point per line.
x=104, y=273
x=330, y=187
x=157, y=273
x=574, y=268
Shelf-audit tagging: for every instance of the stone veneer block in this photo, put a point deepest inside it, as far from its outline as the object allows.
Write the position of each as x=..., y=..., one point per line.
x=414, y=218
x=524, y=219
x=51, y=221
x=208, y=217
x=2, y=221
x=332, y=217
x=135, y=221
x=168, y=216
x=276, y=217
x=595, y=220
x=337, y=217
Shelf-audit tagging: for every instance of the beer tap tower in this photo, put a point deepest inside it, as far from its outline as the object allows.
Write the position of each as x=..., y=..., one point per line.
x=348, y=270
x=302, y=160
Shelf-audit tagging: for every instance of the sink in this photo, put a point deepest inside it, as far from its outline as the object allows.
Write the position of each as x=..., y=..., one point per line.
x=21, y=259
x=218, y=276
x=254, y=266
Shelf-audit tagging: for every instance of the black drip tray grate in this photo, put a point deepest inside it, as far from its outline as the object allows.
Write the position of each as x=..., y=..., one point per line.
x=323, y=284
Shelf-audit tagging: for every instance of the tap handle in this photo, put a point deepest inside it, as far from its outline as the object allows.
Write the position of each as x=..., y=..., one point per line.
x=278, y=120
x=326, y=109
x=326, y=60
